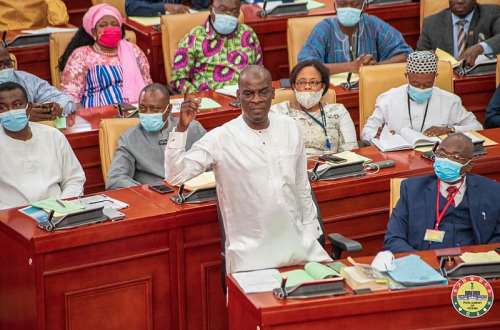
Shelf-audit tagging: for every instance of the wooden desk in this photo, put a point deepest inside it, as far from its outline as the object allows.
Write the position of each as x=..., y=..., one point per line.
x=160, y=267
x=355, y=207
x=272, y=34
x=424, y=308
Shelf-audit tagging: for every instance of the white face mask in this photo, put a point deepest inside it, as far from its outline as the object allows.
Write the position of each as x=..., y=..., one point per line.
x=308, y=99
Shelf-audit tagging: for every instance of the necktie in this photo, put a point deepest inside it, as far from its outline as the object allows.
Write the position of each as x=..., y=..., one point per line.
x=452, y=190
x=461, y=37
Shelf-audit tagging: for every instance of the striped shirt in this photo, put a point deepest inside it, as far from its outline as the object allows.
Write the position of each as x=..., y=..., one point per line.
x=328, y=44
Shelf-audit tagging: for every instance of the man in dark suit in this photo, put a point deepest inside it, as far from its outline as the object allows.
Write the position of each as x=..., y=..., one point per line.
x=465, y=30
x=493, y=111
x=449, y=209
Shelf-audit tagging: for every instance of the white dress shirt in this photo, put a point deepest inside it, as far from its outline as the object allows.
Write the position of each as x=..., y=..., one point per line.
x=41, y=167
x=445, y=109
x=264, y=194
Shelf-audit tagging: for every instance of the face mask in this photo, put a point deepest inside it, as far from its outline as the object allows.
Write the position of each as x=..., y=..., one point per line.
x=110, y=37
x=308, y=99
x=348, y=16
x=14, y=120
x=447, y=170
x=419, y=95
x=152, y=122
x=224, y=24
x=7, y=74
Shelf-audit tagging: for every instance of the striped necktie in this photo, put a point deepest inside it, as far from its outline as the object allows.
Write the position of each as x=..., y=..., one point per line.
x=461, y=37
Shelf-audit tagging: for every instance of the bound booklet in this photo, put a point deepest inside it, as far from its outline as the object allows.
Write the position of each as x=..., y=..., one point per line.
x=205, y=180
x=406, y=139
x=312, y=271
x=483, y=64
x=413, y=271
x=362, y=277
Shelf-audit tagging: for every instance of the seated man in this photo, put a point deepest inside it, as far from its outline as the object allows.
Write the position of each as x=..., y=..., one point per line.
x=419, y=105
x=160, y=7
x=469, y=205
x=37, y=160
x=351, y=39
x=213, y=55
x=139, y=158
x=47, y=102
x=493, y=111
x=465, y=30
x=259, y=164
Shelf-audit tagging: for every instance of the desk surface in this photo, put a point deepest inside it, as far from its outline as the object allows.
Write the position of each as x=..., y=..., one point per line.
x=421, y=308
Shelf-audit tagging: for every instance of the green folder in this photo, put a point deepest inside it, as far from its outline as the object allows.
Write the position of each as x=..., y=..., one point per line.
x=312, y=271
x=60, y=207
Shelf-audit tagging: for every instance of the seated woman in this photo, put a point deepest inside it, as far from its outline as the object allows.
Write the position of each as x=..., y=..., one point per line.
x=99, y=67
x=326, y=128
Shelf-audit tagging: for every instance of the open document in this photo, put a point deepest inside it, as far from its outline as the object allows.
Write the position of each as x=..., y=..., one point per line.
x=406, y=139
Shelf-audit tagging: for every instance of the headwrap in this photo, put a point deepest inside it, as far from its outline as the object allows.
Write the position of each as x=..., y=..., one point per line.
x=423, y=61
x=133, y=81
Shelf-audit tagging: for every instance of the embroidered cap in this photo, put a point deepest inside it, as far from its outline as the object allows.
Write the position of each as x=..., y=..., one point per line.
x=423, y=61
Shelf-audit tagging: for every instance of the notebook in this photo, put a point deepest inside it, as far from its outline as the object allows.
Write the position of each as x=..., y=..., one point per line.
x=413, y=271
x=312, y=271
x=406, y=139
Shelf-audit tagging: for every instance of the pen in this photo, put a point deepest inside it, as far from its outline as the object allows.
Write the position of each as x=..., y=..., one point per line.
x=60, y=203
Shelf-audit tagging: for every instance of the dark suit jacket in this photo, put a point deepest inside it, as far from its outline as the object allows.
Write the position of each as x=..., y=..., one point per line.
x=415, y=212
x=156, y=7
x=493, y=111
x=437, y=30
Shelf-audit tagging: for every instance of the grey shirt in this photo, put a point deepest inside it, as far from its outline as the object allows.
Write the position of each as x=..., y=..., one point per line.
x=140, y=155
x=40, y=91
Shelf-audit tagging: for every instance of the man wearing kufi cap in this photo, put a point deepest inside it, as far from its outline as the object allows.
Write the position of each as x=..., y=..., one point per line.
x=419, y=105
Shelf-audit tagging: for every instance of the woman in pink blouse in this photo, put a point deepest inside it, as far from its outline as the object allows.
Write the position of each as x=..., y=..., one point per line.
x=99, y=67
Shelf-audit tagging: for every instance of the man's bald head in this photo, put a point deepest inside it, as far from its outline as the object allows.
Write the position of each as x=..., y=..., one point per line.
x=458, y=144
x=255, y=72
x=255, y=92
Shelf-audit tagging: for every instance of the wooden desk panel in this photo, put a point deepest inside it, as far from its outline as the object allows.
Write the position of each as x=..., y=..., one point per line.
x=425, y=308
x=33, y=59
x=106, y=276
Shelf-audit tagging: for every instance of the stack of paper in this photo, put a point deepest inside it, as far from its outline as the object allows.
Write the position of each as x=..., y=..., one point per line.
x=206, y=103
x=480, y=257
x=48, y=30
x=312, y=271
x=258, y=281
x=406, y=139
x=229, y=90
x=60, y=207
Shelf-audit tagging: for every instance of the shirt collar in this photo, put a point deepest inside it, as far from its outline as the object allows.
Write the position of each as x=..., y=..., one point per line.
x=468, y=18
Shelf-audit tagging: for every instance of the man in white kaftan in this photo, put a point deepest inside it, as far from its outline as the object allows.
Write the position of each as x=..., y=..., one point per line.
x=259, y=163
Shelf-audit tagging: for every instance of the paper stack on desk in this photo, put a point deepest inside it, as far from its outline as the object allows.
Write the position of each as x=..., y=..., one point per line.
x=258, y=281
x=206, y=103
x=312, y=271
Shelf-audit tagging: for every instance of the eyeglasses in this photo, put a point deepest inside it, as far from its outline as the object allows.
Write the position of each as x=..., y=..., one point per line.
x=6, y=64
x=312, y=83
x=227, y=11
x=459, y=159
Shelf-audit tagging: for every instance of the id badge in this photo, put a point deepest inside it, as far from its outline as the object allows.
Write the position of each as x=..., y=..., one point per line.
x=432, y=235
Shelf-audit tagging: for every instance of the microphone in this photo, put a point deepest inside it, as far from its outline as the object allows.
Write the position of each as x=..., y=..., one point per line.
x=381, y=165
x=263, y=12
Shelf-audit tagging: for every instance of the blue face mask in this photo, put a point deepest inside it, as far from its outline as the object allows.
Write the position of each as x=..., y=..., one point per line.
x=152, y=122
x=419, y=95
x=348, y=16
x=447, y=170
x=7, y=75
x=224, y=24
x=14, y=120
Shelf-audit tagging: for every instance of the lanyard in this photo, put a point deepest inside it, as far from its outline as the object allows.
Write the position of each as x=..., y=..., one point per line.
x=321, y=123
x=425, y=113
x=440, y=215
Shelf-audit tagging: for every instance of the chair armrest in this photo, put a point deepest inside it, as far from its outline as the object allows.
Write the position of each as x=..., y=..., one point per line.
x=341, y=243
